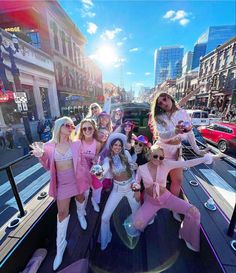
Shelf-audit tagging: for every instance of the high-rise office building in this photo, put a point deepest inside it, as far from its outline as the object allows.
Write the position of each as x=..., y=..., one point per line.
x=210, y=39
x=167, y=63
x=187, y=62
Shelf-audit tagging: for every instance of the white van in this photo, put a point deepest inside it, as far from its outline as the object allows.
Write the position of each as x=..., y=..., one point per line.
x=199, y=117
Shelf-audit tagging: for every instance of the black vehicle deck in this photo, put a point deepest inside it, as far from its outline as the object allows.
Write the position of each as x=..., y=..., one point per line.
x=158, y=249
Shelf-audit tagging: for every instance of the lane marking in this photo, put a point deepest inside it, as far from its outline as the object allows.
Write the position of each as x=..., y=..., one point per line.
x=227, y=192
x=6, y=186
x=28, y=191
x=233, y=172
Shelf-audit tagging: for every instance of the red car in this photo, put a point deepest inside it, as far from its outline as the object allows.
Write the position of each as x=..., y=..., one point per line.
x=221, y=134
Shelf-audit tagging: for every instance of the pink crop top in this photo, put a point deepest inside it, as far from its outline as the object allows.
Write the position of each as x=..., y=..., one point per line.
x=62, y=157
x=163, y=169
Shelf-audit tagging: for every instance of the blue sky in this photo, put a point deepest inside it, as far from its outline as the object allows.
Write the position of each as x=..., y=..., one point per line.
x=123, y=35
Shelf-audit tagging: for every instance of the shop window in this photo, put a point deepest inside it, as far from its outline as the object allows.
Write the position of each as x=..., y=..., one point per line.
x=32, y=110
x=63, y=40
x=35, y=39
x=67, y=76
x=70, y=48
x=45, y=102
x=60, y=77
x=55, y=35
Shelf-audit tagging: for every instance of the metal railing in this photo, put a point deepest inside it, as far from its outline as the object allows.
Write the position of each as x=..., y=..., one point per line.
x=8, y=168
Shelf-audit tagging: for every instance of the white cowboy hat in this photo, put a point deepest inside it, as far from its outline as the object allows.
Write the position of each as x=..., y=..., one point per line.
x=113, y=136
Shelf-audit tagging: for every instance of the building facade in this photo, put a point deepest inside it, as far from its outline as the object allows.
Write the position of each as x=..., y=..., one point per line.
x=48, y=27
x=214, y=36
x=24, y=68
x=217, y=74
x=187, y=62
x=167, y=63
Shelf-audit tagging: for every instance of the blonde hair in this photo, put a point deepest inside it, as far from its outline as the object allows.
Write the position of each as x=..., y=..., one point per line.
x=57, y=128
x=81, y=134
x=90, y=114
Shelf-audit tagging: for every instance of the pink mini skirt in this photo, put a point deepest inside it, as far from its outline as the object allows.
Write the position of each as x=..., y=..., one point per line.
x=66, y=184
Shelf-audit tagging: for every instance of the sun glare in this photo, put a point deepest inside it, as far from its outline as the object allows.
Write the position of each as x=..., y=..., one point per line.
x=106, y=55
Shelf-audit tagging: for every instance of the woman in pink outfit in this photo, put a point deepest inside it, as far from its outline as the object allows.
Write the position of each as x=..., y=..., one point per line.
x=61, y=156
x=167, y=123
x=154, y=176
x=90, y=148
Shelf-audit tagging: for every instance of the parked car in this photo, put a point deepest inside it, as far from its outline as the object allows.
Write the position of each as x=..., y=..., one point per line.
x=221, y=134
x=138, y=113
x=199, y=138
x=200, y=117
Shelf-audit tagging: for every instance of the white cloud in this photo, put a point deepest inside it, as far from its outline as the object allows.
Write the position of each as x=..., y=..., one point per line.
x=180, y=16
x=169, y=14
x=120, y=44
x=129, y=73
x=124, y=39
x=147, y=73
x=184, y=21
x=134, y=49
x=92, y=28
x=87, y=5
x=110, y=34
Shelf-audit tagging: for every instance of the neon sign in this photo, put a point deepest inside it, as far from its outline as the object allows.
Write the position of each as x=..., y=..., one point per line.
x=13, y=29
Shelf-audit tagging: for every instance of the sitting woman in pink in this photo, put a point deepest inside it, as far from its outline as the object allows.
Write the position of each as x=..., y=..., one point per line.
x=154, y=176
x=61, y=157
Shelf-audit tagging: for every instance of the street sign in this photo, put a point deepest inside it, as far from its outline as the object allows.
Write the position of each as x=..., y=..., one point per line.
x=20, y=97
x=24, y=105
x=19, y=106
x=21, y=101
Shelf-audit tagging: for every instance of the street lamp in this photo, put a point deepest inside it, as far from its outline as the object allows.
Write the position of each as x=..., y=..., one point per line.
x=15, y=73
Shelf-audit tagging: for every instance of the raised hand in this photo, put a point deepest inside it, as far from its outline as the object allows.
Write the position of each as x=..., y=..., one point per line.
x=37, y=149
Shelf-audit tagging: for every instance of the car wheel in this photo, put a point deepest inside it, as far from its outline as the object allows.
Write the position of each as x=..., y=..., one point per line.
x=223, y=146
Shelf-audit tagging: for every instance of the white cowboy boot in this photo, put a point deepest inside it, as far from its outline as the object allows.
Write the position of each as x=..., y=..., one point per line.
x=81, y=214
x=95, y=205
x=61, y=241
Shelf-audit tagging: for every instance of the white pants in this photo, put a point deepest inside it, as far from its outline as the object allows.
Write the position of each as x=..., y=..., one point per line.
x=118, y=192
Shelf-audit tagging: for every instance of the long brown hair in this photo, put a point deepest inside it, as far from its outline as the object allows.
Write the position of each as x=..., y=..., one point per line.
x=122, y=155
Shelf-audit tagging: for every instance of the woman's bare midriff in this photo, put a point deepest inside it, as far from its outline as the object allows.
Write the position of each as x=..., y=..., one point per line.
x=149, y=190
x=122, y=177
x=64, y=165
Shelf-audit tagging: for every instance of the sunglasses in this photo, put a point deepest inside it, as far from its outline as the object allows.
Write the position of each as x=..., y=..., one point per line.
x=94, y=107
x=128, y=125
x=138, y=143
x=158, y=157
x=69, y=126
x=90, y=128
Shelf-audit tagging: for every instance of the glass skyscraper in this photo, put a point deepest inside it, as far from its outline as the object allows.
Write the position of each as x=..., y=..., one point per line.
x=209, y=40
x=167, y=63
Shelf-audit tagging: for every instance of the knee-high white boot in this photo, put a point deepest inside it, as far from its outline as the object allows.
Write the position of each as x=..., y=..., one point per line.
x=61, y=241
x=95, y=199
x=81, y=214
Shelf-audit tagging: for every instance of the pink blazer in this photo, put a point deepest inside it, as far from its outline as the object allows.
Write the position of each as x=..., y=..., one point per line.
x=48, y=162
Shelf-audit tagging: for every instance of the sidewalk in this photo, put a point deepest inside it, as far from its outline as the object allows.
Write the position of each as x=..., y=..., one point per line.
x=7, y=156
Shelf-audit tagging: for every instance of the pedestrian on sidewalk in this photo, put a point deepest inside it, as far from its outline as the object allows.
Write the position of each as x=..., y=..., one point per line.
x=9, y=137
x=22, y=140
x=2, y=139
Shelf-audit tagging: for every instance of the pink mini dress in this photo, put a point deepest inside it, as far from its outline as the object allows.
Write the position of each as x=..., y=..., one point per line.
x=88, y=152
x=66, y=180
